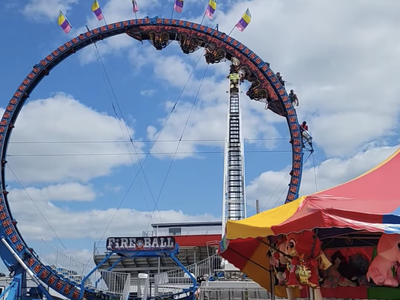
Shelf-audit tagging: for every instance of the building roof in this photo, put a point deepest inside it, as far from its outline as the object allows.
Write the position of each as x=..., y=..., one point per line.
x=197, y=240
x=187, y=224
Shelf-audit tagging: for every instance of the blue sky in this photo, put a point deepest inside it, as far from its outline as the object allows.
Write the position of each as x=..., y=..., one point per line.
x=337, y=69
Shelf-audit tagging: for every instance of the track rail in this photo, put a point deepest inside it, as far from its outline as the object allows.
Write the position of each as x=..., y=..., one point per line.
x=279, y=103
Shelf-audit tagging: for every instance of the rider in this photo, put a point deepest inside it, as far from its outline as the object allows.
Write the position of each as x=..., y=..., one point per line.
x=280, y=78
x=304, y=125
x=307, y=138
x=293, y=98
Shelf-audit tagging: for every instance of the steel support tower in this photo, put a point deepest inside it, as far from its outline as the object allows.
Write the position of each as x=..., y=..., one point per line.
x=234, y=196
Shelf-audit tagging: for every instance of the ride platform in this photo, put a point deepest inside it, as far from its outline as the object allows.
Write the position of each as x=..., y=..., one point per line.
x=195, y=246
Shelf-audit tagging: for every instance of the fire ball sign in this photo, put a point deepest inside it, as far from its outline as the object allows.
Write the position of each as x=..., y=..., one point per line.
x=140, y=243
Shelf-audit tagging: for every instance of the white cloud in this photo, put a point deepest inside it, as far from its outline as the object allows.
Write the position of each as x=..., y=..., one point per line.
x=46, y=10
x=79, y=224
x=148, y=93
x=342, y=65
x=271, y=187
x=207, y=121
x=337, y=64
x=59, y=139
x=114, y=11
x=59, y=192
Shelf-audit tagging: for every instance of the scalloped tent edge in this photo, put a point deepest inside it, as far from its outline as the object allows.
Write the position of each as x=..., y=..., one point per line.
x=369, y=202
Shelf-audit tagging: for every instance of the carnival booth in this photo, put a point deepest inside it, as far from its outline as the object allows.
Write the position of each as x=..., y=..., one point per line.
x=343, y=242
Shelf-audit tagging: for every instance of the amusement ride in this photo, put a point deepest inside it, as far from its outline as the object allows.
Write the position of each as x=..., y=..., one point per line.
x=265, y=87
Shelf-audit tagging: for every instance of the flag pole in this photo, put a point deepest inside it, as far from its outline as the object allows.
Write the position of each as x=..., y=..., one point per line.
x=204, y=15
x=72, y=27
x=101, y=11
x=135, y=8
x=104, y=17
x=202, y=20
x=173, y=9
x=232, y=30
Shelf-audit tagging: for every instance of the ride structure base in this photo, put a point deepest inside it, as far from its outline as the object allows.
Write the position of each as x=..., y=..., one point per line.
x=18, y=288
x=130, y=254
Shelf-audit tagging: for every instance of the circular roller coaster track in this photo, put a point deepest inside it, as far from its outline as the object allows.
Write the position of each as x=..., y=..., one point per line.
x=265, y=87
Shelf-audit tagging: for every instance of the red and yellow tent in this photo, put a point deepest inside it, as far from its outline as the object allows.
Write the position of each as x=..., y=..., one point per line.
x=368, y=203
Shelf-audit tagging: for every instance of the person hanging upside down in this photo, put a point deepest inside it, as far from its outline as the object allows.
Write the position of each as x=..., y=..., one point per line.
x=304, y=125
x=305, y=134
x=293, y=98
x=280, y=78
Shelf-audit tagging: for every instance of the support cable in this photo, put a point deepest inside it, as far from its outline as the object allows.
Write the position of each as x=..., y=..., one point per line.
x=273, y=194
x=179, y=142
x=37, y=207
x=114, y=95
x=142, y=141
x=142, y=153
x=146, y=157
x=315, y=175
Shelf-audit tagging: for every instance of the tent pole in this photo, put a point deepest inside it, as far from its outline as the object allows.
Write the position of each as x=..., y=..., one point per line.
x=272, y=282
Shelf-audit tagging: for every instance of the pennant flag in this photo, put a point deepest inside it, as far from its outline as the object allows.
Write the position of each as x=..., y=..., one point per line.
x=244, y=21
x=63, y=22
x=178, y=6
x=97, y=10
x=135, y=6
x=212, y=6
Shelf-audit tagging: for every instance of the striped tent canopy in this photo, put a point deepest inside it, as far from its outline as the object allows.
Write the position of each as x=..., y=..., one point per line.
x=361, y=209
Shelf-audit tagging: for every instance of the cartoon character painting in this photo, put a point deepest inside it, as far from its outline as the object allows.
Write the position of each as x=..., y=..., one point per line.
x=304, y=248
x=388, y=255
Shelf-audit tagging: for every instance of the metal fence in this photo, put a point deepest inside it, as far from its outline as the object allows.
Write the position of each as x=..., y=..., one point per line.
x=175, y=281
x=65, y=265
x=232, y=290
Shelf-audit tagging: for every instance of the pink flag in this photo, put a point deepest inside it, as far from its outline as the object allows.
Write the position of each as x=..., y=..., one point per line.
x=135, y=6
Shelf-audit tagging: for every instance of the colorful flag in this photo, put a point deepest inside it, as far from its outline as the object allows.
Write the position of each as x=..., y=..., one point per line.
x=63, y=22
x=178, y=6
x=97, y=10
x=212, y=6
x=244, y=21
x=135, y=6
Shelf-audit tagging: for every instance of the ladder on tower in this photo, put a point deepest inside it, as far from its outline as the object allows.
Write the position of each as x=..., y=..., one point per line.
x=234, y=189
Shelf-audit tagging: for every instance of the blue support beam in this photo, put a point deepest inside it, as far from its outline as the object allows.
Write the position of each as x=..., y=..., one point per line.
x=91, y=272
